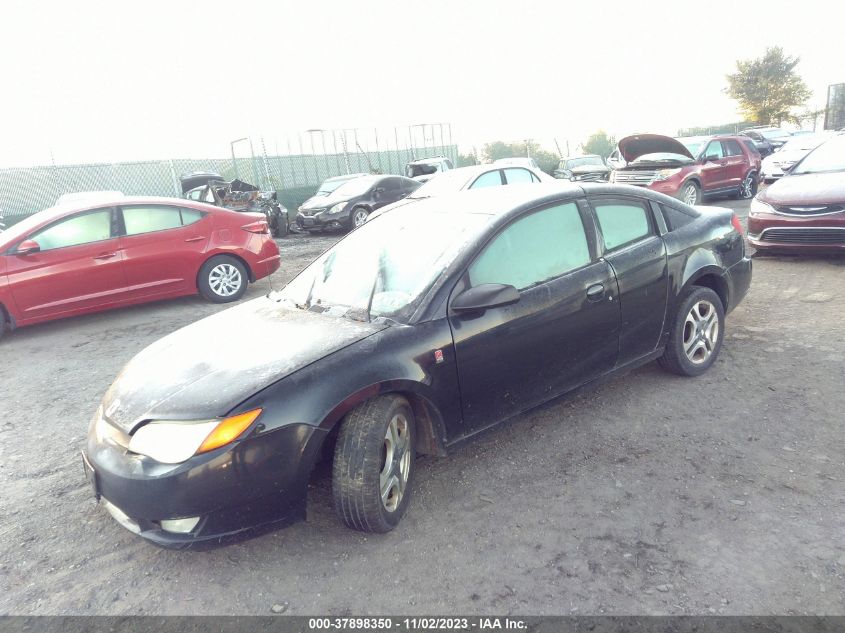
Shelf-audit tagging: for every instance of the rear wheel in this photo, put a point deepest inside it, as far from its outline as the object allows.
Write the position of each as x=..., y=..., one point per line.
x=223, y=279
x=374, y=464
x=3, y=324
x=748, y=186
x=690, y=193
x=697, y=333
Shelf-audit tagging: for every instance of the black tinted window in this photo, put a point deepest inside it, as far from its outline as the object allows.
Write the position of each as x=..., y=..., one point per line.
x=732, y=148
x=749, y=145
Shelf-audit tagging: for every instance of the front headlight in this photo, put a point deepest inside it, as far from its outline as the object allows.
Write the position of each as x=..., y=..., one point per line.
x=665, y=174
x=758, y=206
x=338, y=207
x=173, y=441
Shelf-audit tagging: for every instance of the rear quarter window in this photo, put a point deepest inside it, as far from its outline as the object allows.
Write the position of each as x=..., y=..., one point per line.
x=675, y=218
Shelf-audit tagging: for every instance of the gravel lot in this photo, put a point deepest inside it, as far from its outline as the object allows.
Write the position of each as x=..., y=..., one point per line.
x=652, y=494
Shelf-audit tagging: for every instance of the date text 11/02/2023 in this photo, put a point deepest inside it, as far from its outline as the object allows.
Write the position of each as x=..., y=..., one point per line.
x=415, y=624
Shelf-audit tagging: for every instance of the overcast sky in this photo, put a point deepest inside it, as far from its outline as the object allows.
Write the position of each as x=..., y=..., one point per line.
x=110, y=81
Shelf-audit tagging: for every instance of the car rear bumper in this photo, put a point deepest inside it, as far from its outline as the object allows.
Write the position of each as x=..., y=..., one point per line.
x=237, y=491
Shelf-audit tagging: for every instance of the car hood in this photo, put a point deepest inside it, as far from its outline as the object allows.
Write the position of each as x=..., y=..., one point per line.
x=206, y=369
x=806, y=189
x=632, y=147
x=324, y=202
x=786, y=157
x=589, y=169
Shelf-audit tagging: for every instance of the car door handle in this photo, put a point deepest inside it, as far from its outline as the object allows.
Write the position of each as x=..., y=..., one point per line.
x=195, y=239
x=105, y=256
x=595, y=292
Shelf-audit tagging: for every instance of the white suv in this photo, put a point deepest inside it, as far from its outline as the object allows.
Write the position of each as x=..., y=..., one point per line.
x=423, y=169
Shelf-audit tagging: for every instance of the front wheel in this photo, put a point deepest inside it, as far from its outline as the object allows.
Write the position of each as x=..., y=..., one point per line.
x=690, y=193
x=748, y=186
x=223, y=279
x=359, y=216
x=374, y=464
x=696, y=335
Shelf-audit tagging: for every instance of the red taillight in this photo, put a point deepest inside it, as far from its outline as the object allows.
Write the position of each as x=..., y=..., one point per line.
x=737, y=224
x=257, y=227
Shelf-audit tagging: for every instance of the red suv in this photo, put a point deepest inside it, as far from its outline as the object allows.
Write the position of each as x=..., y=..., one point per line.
x=690, y=168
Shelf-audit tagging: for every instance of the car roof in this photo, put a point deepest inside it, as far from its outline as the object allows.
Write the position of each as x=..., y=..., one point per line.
x=574, y=156
x=430, y=159
x=511, y=199
x=346, y=176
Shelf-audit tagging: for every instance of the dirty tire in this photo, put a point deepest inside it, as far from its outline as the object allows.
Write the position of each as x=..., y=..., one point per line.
x=690, y=193
x=675, y=358
x=360, y=460
x=209, y=279
x=3, y=324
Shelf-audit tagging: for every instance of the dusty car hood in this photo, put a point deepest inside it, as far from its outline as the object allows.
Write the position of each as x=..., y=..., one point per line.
x=806, y=189
x=205, y=369
x=632, y=147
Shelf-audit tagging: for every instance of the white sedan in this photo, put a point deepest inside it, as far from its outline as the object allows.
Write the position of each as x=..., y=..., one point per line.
x=474, y=177
x=792, y=151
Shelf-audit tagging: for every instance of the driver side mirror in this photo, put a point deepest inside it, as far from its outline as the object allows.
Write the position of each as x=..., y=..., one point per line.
x=485, y=296
x=27, y=247
x=710, y=158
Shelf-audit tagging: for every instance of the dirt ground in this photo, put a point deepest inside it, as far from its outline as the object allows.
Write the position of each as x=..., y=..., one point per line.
x=652, y=494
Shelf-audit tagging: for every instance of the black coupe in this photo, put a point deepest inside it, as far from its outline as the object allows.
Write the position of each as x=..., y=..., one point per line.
x=410, y=335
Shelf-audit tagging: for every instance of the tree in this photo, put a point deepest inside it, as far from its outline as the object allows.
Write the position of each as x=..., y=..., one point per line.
x=465, y=160
x=498, y=149
x=767, y=88
x=599, y=143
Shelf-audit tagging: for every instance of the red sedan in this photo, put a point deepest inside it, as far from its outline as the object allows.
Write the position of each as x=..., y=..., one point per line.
x=805, y=210
x=80, y=258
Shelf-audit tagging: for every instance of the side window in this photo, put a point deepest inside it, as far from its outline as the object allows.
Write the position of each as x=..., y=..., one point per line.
x=410, y=186
x=195, y=194
x=621, y=222
x=391, y=185
x=517, y=174
x=714, y=148
x=675, y=219
x=490, y=179
x=80, y=229
x=189, y=216
x=533, y=249
x=732, y=148
x=146, y=219
x=749, y=145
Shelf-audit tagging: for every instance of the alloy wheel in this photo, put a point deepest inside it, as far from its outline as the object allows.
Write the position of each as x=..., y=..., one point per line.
x=359, y=218
x=396, y=463
x=225, y=280
x=690, y=194
x=746, y=189
x=701, y=332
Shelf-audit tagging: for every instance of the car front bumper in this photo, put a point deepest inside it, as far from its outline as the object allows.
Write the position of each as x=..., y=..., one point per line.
x=236, y=491
x=800, y=234
x=323, y=220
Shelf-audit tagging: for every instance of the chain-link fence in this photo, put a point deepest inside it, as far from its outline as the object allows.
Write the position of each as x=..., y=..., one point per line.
x=295, y=176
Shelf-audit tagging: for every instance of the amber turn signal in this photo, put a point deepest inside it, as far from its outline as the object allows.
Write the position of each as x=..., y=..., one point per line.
x=228, y=430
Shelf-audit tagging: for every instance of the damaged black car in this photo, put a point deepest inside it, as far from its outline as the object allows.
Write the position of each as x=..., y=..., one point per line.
x=405, y=339
x=236, y=195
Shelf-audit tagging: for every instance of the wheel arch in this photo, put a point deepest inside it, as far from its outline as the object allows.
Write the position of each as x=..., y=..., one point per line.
x=711, y=277
x=430, y=425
